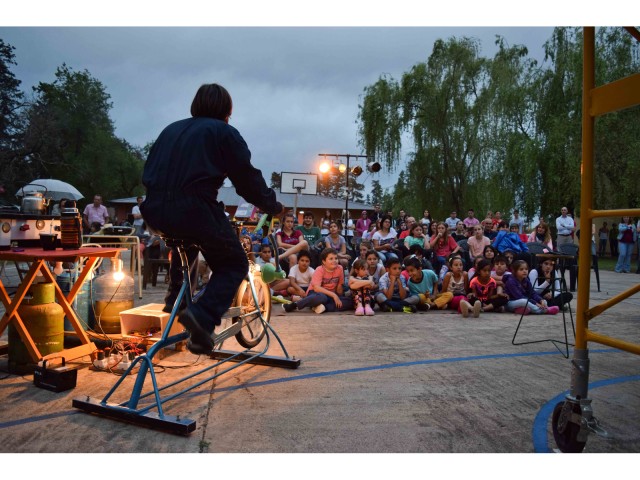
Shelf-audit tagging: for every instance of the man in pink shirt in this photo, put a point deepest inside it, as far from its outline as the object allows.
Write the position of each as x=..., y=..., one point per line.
x=95, y=212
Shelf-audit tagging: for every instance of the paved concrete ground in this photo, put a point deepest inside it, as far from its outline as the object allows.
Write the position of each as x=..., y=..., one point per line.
x=427, y=382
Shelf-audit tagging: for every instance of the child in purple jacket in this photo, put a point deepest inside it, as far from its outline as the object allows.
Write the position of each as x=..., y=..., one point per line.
x=522, y=296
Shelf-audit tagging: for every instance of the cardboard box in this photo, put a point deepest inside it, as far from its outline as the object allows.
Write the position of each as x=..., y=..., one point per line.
x=148, y=322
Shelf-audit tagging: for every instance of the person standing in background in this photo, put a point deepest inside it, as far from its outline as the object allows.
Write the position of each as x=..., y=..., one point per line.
x=95, y=212
x=613, y=240
x=137, y=217
x=627, y=237
x=517, y=220
x=565, y=226
x=603, y=236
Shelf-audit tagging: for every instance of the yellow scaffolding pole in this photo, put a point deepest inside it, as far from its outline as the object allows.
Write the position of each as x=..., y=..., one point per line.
x=597, y=101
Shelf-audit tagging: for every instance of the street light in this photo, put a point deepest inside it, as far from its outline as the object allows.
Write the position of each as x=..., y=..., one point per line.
x=372, y=167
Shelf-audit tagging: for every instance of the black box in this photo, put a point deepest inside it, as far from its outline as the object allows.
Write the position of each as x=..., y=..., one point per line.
x=56, y=379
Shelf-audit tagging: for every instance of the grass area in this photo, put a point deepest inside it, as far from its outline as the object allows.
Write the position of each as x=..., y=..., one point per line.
x=608, y=263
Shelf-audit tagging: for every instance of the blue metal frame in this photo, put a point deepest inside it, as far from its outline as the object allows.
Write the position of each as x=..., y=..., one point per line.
x=130, y=411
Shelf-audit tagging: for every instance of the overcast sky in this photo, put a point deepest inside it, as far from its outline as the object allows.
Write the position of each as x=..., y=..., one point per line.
x=296, y=90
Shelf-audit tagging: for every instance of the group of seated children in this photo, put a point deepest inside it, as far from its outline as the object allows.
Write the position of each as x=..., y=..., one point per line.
x=496, y=283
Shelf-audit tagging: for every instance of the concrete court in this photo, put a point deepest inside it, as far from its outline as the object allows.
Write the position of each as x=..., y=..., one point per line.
x=428, y=382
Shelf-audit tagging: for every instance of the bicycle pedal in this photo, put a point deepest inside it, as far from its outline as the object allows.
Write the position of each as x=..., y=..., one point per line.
x=227, y=332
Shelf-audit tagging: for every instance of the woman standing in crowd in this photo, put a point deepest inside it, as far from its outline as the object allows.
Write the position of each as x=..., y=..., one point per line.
x=626, y=240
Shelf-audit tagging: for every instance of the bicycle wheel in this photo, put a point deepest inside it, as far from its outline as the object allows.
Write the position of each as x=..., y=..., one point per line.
x=252, y=329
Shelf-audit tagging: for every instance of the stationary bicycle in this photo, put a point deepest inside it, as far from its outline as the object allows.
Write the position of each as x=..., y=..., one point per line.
x=250, y=314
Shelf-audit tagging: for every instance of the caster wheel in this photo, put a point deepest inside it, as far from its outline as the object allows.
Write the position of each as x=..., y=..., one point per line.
x=567, y=440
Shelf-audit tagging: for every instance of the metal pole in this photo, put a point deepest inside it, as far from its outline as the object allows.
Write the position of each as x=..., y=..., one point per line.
x=346, y=205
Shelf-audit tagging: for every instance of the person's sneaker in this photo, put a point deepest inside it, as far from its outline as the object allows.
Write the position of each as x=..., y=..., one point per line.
x=423, y=307
x=464, y=308
x=368, y=310
x=319, y=308
x=200, y=342
x=477, y=306
x=522, y=311
x=386, y=308
x=360, y=311
x=553, y=310
x=409, y=309
x=289, y=307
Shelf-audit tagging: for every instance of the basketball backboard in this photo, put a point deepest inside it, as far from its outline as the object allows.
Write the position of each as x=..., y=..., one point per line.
x=306, y=183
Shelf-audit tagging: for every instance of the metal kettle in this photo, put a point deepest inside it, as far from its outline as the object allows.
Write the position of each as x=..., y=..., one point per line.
x=34, y=202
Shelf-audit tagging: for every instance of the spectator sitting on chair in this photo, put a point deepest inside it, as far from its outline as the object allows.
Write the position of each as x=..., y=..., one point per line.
x=290, y=241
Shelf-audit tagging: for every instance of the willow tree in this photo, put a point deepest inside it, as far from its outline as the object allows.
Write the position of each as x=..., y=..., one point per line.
x=446, y=107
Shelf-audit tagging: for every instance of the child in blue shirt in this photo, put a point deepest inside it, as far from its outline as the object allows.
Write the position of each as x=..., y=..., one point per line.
x=393, y=294
x=423, y=284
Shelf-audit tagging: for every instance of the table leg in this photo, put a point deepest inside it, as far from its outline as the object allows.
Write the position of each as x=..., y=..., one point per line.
x=11, y=309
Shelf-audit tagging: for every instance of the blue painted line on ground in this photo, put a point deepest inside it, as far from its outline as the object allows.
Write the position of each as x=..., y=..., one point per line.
x=539, y=430
x=327, y=374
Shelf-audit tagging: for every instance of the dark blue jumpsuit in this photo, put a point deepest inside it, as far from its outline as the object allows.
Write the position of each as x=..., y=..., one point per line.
x=186, y=166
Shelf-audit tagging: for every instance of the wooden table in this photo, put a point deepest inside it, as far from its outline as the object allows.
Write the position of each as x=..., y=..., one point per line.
x=38, y=259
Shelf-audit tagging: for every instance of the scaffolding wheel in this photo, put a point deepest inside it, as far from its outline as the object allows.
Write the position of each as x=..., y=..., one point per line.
x=565, y=432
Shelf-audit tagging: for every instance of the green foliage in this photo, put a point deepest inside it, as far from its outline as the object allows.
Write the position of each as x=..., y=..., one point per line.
x=71, y=137
x=502, y=133
x=11, y=120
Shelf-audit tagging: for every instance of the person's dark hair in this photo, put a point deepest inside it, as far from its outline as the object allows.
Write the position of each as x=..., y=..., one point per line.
x=415, y=248
x=492, y=248
x=326, y=252
x=212, y=100
x=266, y=246
x=503, y=224
x=386, y=217
x=307, y=214
x=500, y=258
x=371, y=252
x=412, y=261
x=517, y=264
x=357, y=265
x=304, y=253
x=391, y=261
x=482, y=264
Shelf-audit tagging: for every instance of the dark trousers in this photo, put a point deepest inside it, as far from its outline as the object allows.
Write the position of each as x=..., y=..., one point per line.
x=313, y=299
x=201, y=222
x=613, y=246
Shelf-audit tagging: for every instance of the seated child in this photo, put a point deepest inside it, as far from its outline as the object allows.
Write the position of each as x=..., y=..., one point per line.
x=523, y=299
x=484, y=295
x=264, y=257
x=326, y=291
x=456, y=281
x=300, y=276
x=393, y=293
x=472, y=270
x=546, y=282
x=361, y=285
x=500, y=269
x=375, y=269
x=423, y=287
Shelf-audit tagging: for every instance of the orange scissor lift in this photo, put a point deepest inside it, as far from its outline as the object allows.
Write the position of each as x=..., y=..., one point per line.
x=573, y=419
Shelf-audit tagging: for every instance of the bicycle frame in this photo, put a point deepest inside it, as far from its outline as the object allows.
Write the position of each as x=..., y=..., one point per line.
x=143, y=415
